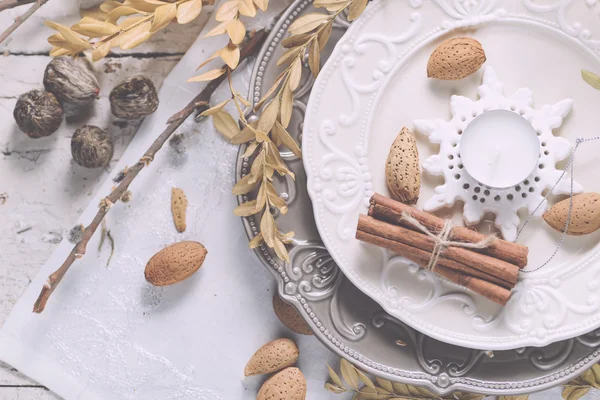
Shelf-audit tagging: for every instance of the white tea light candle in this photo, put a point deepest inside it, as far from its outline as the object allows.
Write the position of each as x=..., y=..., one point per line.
x=499, y=148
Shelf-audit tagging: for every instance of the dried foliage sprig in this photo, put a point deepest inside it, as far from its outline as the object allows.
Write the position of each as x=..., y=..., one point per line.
x=21, y=18
x=201, y=100
x=309, y=35
x=364, y=388
x=125, y=24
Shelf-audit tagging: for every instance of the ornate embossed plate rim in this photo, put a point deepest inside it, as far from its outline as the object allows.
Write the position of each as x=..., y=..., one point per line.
x=339, y=346
x=494, y=13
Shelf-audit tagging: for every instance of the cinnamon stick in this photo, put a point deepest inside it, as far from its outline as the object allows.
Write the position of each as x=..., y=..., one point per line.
x=446, y=268
x=489, y=266
x=386, y=209
x=416, y=247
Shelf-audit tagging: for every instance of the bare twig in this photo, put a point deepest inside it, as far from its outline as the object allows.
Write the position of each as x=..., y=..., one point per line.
x=20, y=19
x=252, y=44
x=6, y=4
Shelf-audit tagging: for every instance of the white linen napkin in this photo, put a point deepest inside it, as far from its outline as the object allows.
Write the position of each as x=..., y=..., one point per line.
x=107, y=334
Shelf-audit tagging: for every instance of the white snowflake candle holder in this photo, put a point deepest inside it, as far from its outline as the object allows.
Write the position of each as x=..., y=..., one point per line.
x=500, y=177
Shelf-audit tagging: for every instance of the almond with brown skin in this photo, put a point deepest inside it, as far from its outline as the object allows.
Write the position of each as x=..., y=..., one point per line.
x=402, y=170
x=290, y=317
x=455, y=59
x=179, y=205
x=272, y=357
x=585, y=215
x=289, y=384
x=175, y=263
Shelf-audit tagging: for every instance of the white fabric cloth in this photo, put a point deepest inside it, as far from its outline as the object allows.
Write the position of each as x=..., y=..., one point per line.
x=107, y=334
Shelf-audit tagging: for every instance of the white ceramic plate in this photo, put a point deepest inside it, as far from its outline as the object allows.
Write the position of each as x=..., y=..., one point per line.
x=375, y=83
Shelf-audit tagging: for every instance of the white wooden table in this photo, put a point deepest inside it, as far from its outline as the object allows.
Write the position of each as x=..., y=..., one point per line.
x=42, y=192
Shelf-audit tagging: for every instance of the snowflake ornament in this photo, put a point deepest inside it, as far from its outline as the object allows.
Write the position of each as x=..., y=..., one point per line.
x=478, y=198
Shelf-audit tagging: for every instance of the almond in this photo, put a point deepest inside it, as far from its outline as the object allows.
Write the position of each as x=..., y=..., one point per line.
x=175, y=263
x=289, y=384
x=290, y=317
x=403, y=171
x=273, y=356
x=455, y=59
x=179, y=205
x=585, y=215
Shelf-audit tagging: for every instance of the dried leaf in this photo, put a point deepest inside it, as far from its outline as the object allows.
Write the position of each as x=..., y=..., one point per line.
x=227, y=11
x=592, y=79
x=256, y=241
x=247, y=8
x=242, y=99
x=269, y=93
x=246, y=209
x=135, y=36
x=236, y=31
x=384, y=384
x=262, y=4
x=250, y=149
x=314, y=58
x=335, y=378
x=114, y=15
x=58, y=51
x=365, y=379
x=145, y=5
x=101, y=51
x=331, y=5
x=268, y=228
x=296, y=40
x=356, y=9
x=574, y=392
x=268, y=117
x=231, y=55
x=324, y=35
x=281, y=251
x=225, y=124
x=289, y=55
x=58, y=40
x=307, y=23
x=218, y=30
x=215, y=109
x=349, y=374
x=163, y=16
x=245, y=185
x=287, y=105
x=295, y=74
x=187, y=12
x=334, y=389
x=95, y=12
x=130, y=22
x=109, y=5
x=68, y=34
x=244, y=136
x=208, y=76
x=93, y=28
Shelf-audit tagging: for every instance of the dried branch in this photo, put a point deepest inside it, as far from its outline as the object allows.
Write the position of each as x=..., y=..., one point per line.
x=202, y=99
x=7, y=4
x=22, y=18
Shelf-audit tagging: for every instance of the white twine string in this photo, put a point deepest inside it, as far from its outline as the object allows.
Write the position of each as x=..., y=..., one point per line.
x=441, y=241
x=569, y=166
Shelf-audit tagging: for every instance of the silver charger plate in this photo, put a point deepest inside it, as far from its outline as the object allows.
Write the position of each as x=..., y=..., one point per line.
x=352, y=325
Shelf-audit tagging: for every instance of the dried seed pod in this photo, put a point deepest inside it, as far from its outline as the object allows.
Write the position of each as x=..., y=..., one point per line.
x=134, y=98
x=91, y=147
x=38, y=113
x=71, y=80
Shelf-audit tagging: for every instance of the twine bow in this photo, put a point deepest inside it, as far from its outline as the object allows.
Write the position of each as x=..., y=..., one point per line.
x=441, y=240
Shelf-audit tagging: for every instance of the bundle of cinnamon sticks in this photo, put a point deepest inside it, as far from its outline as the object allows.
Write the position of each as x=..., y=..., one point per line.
x=491, y=271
